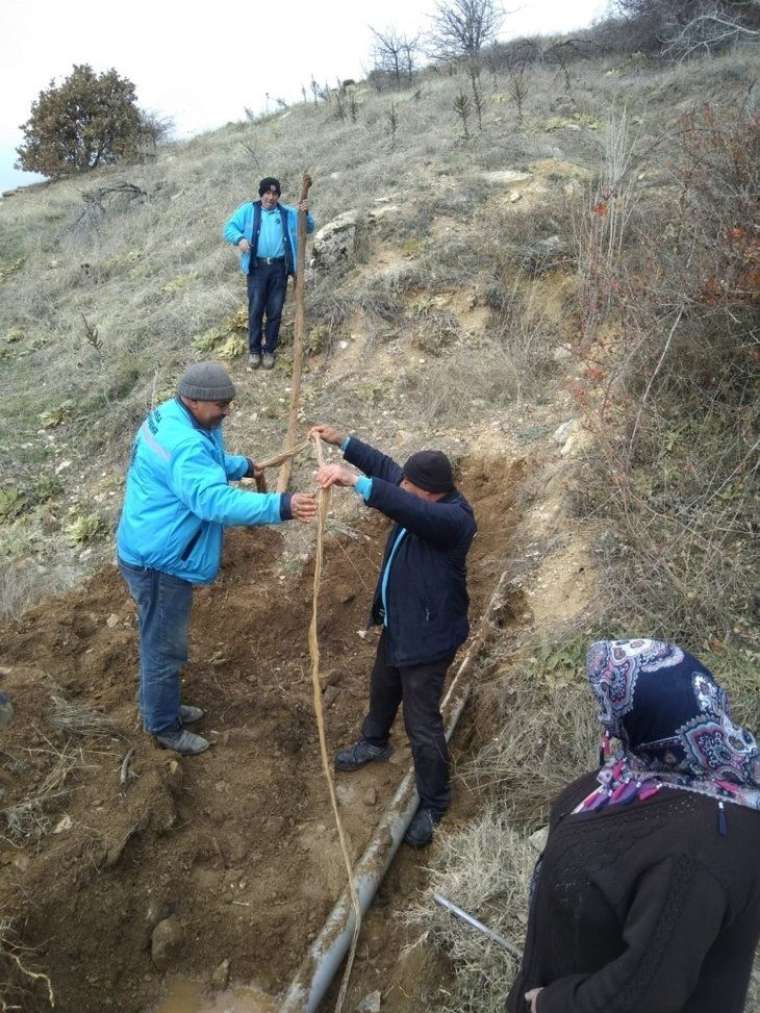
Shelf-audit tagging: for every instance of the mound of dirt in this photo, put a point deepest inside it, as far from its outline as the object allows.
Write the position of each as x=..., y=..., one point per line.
x=238, y=847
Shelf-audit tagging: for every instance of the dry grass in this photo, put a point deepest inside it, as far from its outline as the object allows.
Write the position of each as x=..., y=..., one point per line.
x=485, y=870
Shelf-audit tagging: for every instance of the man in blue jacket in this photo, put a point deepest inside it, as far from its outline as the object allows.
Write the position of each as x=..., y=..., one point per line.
x=177, y=503
x=266, y=233
x=421, y=604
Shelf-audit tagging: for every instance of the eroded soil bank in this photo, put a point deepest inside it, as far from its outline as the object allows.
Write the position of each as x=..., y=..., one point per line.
x=238, y=845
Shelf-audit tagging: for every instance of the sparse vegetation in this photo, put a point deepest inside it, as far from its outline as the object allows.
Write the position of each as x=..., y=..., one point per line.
x=622, y=236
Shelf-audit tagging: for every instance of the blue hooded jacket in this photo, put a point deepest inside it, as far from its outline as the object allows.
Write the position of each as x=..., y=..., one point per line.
x=240, y=226
x=178, y=499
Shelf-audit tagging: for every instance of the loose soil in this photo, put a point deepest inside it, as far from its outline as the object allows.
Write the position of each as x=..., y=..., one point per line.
x=238, y=844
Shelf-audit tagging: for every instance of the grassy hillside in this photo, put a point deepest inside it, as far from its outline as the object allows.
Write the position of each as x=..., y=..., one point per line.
x=594, y=262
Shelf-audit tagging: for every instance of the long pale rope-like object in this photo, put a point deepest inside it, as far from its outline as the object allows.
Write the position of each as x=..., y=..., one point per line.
x=323, y=501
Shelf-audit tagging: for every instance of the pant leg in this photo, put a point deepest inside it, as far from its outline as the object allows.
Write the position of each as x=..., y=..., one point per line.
x=276, y=291
x=163, y=606
x=257, y=287
x=422, y=686
x=384, y=698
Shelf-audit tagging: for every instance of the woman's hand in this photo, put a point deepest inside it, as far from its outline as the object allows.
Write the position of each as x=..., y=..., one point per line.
x=532, y=998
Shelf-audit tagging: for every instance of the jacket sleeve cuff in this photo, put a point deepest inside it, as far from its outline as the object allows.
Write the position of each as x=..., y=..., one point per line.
x=251, y=468
x=363, y=486
x=345, y=443
x=286, y=513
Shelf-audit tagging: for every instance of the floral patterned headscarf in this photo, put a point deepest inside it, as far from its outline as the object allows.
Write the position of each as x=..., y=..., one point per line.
x=673, y=721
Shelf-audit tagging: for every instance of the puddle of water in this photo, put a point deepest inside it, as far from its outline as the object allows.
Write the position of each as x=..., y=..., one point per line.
x=188, y=997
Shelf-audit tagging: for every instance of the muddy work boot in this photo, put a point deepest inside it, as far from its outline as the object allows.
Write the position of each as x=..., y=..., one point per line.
x=267, y=361
x=188, y=714
x=421, y=828
x=183, y=742
x=361, y=752
x=254, y=360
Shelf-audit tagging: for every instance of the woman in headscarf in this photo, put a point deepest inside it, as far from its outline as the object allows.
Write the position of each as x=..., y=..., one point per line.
x=647, y=896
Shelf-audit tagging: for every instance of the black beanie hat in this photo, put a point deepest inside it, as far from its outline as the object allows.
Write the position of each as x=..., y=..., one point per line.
x=430, y=470
x=269, y=183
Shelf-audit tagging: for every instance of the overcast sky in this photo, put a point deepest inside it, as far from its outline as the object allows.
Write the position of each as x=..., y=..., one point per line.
x=201, y=64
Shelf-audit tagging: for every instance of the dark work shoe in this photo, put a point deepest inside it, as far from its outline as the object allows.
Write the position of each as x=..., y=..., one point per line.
x=361, y=752
x=188, y=714
x=421, y=828
x=183, y=742
x=254, y=360
x=267, y=361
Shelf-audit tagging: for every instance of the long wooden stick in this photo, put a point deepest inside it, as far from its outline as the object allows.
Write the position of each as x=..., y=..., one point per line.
x=295, y=396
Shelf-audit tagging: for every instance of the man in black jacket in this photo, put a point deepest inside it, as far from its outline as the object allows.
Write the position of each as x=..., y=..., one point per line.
x=421, y=603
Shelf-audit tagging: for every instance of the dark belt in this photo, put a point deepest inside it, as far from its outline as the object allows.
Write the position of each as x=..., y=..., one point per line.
x=269, y=260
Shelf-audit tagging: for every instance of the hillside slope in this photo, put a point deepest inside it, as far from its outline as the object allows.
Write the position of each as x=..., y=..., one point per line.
x=464, y=319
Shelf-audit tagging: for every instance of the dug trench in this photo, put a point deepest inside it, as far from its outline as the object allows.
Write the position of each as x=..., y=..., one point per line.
x=234, y=854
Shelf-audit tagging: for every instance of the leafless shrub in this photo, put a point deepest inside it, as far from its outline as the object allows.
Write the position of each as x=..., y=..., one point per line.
x=602, y=222
x=394, y=54
x=462, y=107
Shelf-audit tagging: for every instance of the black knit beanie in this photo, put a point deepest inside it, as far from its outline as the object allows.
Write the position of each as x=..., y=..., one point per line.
x=269, y=183
x=430, y=470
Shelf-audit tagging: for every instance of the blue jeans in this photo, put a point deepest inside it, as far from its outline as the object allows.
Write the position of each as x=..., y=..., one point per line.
x=163, y=608
x=267, y=286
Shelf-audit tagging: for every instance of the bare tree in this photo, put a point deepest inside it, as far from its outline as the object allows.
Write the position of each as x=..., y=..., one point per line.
x=709, y=31
x=395, y=54
x=461, y=28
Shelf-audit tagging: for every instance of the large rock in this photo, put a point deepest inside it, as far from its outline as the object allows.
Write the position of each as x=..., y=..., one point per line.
x=335, y=243
x=166, y=942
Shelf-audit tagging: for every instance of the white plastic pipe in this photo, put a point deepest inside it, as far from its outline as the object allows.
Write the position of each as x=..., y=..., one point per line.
x=325, y=954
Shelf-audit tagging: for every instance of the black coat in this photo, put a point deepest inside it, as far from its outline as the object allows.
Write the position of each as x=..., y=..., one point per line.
x=427, y=587
x=645, y=908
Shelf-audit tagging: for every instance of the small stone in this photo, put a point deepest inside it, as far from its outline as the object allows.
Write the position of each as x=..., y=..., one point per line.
x=330, y=696
x=370, y=1003
x=562, y=353
x=538, y=839
x=166, y=942
x=562, y=432
x=370, y=796
x=514, y=197
x=221, y=976
x=66, y=823
x=113, y=620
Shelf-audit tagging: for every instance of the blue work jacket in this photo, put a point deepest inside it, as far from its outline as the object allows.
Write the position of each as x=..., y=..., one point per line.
x=178, y=498
x=241, y=226
x=426, y=586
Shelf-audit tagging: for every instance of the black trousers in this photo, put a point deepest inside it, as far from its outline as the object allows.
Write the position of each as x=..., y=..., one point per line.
x=420, y=687
x=267, y=287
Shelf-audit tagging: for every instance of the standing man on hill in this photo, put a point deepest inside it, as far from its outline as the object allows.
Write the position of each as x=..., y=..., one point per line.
x=177, y=503
x=266, y=233
x=421, y=603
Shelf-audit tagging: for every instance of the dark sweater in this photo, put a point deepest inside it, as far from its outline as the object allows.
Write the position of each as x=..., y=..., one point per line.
x=427, y=583
x=644, y=908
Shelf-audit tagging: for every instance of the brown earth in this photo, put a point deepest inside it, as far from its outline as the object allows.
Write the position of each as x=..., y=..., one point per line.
x=239, y=844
